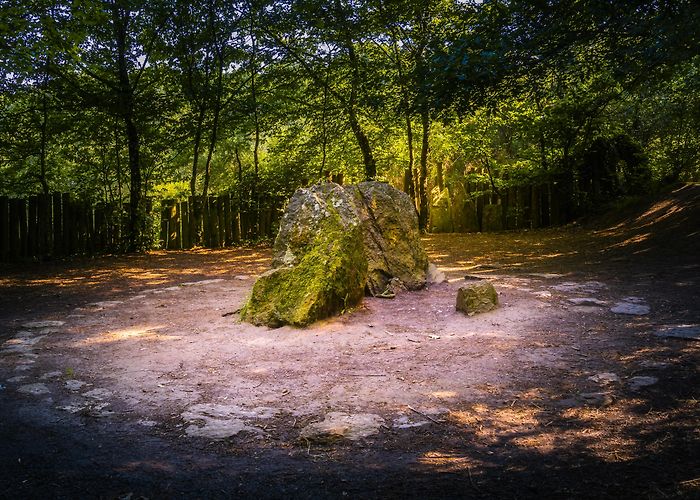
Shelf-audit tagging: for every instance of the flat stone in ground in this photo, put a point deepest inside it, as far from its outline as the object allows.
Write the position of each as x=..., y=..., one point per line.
x=687, y=332
x=636, y=383
x=43, y=324
x=338, y=425
x=34, y=389
x=632, y=306
x=216, y=421
x=586, y=301
x=605, y=378
x=74, y=385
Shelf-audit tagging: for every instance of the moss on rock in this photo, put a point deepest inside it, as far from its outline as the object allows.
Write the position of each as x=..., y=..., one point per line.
x=325, y=274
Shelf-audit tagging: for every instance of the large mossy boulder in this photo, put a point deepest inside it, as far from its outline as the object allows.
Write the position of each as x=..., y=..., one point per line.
x=319, y=263
x=391, y=237
x=334, y=244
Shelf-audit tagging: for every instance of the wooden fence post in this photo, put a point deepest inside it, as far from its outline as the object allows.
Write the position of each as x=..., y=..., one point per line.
x=4, y=228
x=68, y=224
x=185, y=220
x=32, y=227
x=173, y=226
x=544, y=198
x=228, y=221
x=57, y=226
x=221, y=236
x=535, y=205
x=213, y=223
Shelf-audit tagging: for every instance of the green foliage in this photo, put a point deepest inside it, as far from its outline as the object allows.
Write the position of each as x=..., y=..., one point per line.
x=168, y=99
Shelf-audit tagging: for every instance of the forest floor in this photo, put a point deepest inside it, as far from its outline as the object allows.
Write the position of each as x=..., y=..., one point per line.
x=132, y=377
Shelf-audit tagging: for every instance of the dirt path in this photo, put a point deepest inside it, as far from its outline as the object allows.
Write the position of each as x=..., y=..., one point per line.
x=133, y=376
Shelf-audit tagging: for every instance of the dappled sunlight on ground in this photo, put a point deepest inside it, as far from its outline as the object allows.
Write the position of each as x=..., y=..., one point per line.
x=140, y=333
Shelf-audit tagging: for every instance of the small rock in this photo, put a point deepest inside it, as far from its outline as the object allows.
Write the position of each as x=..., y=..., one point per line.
x=17, y=379
x=477, y=298
x=50, y=375
x=654, y=365
x=547, y=275
x=339, y=425
x=74, y=385
x=637, y=383
x=686, y=332
x=215, y=421
x=218, y=429
x=404, y=422
x=585, y=287
x=435, y=275
x=632, y=306
x=98, y=394
x=597, y=398
x=34, y=389
x=605, y=378
x=105, y=304
x=545, y=294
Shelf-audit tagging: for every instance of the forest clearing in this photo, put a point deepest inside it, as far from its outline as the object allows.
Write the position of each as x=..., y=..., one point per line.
x=349, y=248
x=129, y=376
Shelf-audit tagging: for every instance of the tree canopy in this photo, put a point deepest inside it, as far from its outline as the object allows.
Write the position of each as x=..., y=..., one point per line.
x=126, y=100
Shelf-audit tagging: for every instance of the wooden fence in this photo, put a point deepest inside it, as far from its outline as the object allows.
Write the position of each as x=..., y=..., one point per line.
x=219, y=223
x=56, y=225
x=477, y=207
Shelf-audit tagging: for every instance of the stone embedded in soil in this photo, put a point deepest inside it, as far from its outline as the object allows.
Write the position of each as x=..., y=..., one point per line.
x=631, y=306
x=403, y=422
x=477, y=298
x=98, y=394
x=338, y=425
x=587, y=301
x=74, y=385
x=222, y=421
x=597, y=398
x=630, y=309
x=43, y=324
x=686, y=332
x=654, y=365
x=637, y=383
x=605, y=378
x=586, y=287
x=34, y=389
x=50, y=375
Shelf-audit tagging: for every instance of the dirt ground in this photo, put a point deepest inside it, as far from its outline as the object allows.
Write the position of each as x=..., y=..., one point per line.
x=132, y=377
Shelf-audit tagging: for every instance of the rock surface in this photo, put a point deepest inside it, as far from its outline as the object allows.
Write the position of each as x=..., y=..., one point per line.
x=477, y=298
x=391, y=237
x=333, y=244
x=320, y=267
x=337, y=425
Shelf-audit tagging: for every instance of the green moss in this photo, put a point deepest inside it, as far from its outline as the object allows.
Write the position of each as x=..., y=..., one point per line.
x=328, y=279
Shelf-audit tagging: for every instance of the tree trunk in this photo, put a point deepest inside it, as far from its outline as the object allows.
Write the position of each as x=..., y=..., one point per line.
x=423, y=181
x=256, y=119
x=362, y=140
x=137, y=215
x=44, y=138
